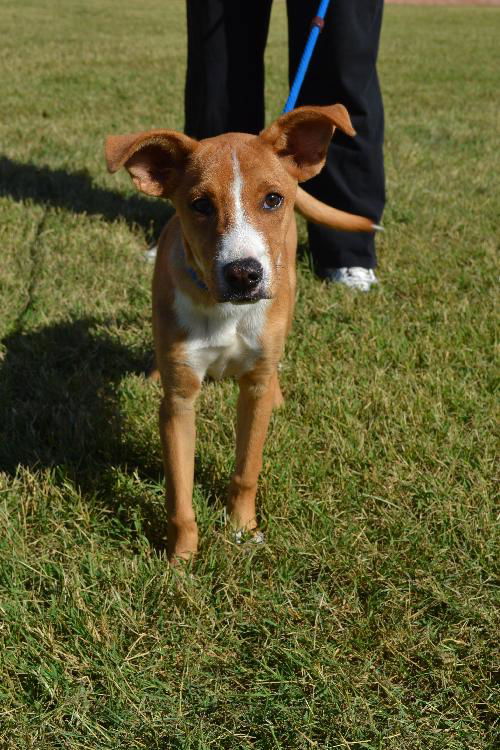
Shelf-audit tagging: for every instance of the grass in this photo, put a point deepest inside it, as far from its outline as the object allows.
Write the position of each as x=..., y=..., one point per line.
x=368, y=619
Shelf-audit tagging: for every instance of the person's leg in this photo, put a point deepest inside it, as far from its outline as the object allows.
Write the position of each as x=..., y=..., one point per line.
x=247, y=26
x=343, y=69
x=205, y=99
x=225, y=70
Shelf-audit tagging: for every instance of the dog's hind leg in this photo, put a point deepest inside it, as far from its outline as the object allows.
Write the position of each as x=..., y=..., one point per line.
x=153, y=374
x=278, y=400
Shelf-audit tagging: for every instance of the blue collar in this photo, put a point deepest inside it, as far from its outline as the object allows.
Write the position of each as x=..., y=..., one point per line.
x=199, y=283
x=192, y=273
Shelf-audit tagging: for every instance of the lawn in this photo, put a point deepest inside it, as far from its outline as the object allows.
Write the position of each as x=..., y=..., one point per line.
x=368, y=619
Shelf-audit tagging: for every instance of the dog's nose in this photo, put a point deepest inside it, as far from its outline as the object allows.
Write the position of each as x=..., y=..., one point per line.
x=243, y=275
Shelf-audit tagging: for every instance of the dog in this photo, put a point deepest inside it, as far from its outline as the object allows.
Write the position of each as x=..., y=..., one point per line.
x=224, y=283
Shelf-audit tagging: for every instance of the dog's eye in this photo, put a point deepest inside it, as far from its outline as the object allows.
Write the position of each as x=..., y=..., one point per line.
x=272, y=201
x=203, y=206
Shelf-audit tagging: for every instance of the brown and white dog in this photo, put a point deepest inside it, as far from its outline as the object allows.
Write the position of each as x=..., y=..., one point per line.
x=224, y=282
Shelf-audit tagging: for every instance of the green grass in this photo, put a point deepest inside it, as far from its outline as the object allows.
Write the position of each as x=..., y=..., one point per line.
x=368, y=619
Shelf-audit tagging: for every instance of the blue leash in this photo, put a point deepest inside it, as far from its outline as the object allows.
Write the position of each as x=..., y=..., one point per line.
x=316, y=25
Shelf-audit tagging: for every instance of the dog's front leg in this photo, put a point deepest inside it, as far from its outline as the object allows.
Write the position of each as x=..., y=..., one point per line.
x=178, y=432
x=255, y=403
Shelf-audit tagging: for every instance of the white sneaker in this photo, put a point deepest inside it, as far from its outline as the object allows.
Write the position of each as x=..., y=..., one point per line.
x=150, y=253
x=354, y=277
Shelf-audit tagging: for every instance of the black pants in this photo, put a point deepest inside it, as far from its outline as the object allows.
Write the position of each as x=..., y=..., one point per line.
x=225, y=92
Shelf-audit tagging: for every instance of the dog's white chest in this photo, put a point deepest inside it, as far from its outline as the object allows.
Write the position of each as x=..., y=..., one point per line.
x=223, y=340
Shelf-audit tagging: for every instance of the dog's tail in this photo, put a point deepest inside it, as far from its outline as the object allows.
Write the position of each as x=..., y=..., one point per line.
x=319, y=213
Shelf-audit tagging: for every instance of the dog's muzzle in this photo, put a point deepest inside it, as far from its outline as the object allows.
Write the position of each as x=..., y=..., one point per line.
x=243, y=280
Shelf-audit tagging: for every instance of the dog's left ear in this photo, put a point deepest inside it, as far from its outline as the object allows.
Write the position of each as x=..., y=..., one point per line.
x=301, y=137
x=153, y=159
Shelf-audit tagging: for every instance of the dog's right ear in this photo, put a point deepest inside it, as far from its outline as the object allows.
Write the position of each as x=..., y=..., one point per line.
x=153, y=159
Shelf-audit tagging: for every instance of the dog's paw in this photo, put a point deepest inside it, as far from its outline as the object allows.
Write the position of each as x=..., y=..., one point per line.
x=182, y=541
x=256, y=536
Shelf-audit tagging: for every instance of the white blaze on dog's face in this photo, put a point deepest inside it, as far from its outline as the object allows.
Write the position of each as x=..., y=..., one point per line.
x=235, y=204
x=234, y=194
x=243, y=241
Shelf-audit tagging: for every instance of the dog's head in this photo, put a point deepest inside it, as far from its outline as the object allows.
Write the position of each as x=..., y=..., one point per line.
x=234, y=194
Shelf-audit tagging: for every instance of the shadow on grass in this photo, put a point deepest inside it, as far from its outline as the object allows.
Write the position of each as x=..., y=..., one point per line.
x=60, y=408
x=75, y=192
